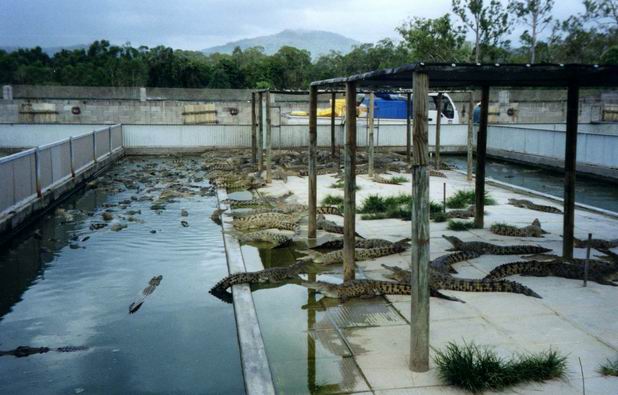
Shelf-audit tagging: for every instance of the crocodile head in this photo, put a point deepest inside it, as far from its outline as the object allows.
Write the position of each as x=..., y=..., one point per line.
x=454, y=241
x=327, y=289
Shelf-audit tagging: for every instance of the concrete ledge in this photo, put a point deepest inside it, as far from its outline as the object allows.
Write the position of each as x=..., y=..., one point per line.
x=32, y=209
x=256, y=370
x=531, y=192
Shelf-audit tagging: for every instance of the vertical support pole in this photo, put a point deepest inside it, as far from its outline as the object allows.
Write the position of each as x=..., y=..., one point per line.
x=408, y=127
x=349, y=193
x=37, y=172
x=438, y=124
x=570, y=157
x=311, y=319
x=469, y=141
x=71, y=157
x=419, y=324
x=109, y=135
x=253, y=130
x=481, y=151
x=333, y=142
x=313, y=148
x=587, y=262
x=268, y=139
x=260, y=133
x=370, y=148
x=94, y=146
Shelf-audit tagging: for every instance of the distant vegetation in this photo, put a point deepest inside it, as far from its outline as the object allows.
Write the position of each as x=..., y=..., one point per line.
x=589, y=37
x=462, y=199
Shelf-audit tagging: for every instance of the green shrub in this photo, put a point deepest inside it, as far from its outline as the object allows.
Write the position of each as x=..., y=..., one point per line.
x=477, y=369
x=378, y=207
x=399, y=179
x=463, y=199
x=459, y=225
x=435, y=207
x=340, y=184
x=331, y=200
x=609, y=368
x=438, y=216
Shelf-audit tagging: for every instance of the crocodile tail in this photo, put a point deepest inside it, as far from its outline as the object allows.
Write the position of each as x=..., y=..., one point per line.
x=228, y=281
x=513, y=268
x=467, y=285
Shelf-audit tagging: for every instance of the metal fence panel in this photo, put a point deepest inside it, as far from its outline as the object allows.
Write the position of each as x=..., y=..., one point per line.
x=45, y=168
x=102, y=142
x=82, y=151
x=61, y=161
x=116, y=136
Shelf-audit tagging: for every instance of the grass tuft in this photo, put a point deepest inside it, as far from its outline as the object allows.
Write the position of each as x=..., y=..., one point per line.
x=435, y=207
x=378, y=207
x=463, y=199
x=399, y=179
x=331, y=200
x=340, y=184
x=477, y=369
x=438, y=216
x=609, y=368
x=459, y=225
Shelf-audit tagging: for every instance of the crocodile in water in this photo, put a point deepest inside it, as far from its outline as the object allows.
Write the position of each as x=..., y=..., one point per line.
x=270, y=275
x=493, y=249
x=359, y=243
x=139, y=301
x=523, y=203
x=25, y=351
x=277, y=239
x=532, y=230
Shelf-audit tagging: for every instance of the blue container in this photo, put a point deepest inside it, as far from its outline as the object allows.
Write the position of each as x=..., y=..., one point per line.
x=388, y=106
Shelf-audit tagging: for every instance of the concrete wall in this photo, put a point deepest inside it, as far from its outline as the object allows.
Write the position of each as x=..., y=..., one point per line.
x=160, y=106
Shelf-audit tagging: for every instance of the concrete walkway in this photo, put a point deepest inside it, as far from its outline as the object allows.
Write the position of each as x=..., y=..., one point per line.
x=368, y=340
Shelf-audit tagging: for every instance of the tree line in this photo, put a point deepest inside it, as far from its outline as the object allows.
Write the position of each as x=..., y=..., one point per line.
x=588, y=37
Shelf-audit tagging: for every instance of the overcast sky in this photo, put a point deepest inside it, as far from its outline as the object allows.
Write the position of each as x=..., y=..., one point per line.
x=198, y=24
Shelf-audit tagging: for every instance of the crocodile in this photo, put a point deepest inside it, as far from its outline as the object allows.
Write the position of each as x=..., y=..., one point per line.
x=264, y=221
x=532, y=230
x=444, y=263
x=595, y=243
x=277, y=239
x=216, y=215
x=139, y=301
x=602, y=272
x=26, y=351
x=332, y=210
x=270, y=275
x=523, y=203
x=492, y=249
x=265, y=216
x=359, y=243
x=330, y=226
x=360, y=254
x=461, y=214
x=382, y=180
x=438, y=280
x=358, y=288
x=436, y=173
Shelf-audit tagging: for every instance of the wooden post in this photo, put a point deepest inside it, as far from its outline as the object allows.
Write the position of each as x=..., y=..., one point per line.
x=481, y=150
x=333, y=141
x=570, y=157
x=469, y=141
x=349, y=193
x=408, y=126
x=260, y=136
x=370, y=137
x=268, y=139
x=419, y=323
x=253, y=130
x=313, y=148
x=587, y=262
x=438, y=124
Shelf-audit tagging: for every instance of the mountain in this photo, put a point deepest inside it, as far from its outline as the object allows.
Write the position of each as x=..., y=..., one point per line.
x=315, y=41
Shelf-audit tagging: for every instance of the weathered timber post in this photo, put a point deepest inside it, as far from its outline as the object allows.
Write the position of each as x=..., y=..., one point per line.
x=349, y=193
x=469, y=141
x=419, y=323
x=370, y=148
x=438, y=124
x=260, y=136
x=333, y=141
x=481, y=151
x=269, y=139
x=570, y=157
x=408, y=126
x=253, y=130
x=313, y=143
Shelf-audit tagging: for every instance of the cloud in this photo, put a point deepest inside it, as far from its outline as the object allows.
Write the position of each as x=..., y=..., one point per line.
x=197, y=24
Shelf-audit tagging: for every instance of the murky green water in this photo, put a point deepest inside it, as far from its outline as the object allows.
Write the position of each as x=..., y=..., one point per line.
x=591, y=191
x=63, y=284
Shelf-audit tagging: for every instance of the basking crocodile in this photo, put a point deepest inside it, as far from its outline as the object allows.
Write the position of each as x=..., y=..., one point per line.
x=382, y=180
x=358, y=288
x=216, y=215
x=139, y=301
x=270, y=275
x=277, y=239
x=359, y=243
x=492, y=249
x=444, y=263
x=602, y=272
x=436, y=173
x=25, y=351
x=461, y=214
x=265, y=216
x=439, y=280
x=523, y=203
x=266, y=222
x=595, y=243
x=360, y=254
x=532, y=230
x=330, y=226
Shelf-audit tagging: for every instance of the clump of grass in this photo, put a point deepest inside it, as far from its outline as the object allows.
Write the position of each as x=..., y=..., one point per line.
x=438, y=216
x=435, y=207
x=609, y=368
x=379, y=207
x=340, y=184
x=463, y=199
x=459, y=225
x=399, y=179
x=477, y=369
x=330, y=200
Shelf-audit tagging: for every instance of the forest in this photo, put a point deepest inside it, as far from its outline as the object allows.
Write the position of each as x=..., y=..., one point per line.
x=474, y=31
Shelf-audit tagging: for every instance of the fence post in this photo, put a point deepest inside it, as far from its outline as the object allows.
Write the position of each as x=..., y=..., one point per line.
x=71, y=155
x=94, y=146
x=109, y=134
x=37, y=172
